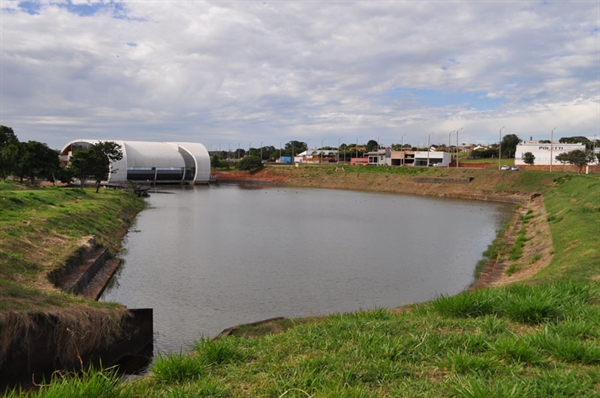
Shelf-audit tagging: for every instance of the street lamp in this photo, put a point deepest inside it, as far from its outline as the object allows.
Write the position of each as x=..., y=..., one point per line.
x=356, y=147
x=280, y=149
x=402, y=147
x=500, y=148
x=428, y=147
x=551, y=139
x=261, y=147
x=378, y=142
x=338, y=154
x=457, y=146
x=229, y=151
x=450, y=135
x=321, y=161
x=238, y=151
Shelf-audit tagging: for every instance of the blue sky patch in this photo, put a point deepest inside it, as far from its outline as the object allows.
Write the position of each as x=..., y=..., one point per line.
x=436, y=98
x=131, y=44
x=87, y=10
x=30, y=7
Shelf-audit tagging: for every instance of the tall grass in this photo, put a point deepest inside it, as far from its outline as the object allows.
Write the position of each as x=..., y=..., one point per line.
x=98, y=383
x=520, y=303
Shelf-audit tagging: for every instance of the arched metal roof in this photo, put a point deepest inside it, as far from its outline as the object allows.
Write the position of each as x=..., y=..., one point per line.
x=165, y=161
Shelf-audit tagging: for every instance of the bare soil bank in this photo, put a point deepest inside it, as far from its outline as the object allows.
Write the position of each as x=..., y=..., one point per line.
x=484, y=185
x=524, y=189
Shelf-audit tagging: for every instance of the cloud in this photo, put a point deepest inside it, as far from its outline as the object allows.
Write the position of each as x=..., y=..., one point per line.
x=219, y=72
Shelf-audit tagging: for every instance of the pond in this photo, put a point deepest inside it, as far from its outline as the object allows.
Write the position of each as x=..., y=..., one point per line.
x=208, y=258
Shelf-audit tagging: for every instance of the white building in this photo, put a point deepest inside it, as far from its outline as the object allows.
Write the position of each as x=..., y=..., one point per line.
x=435, y=158
x=544, y=153
x=162, y=162
x=317, y=156
x=387, y=157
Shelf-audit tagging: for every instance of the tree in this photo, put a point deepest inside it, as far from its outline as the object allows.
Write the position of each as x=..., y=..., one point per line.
x=509, y=145
x=294, y=147
x=31, y=159
x=250, y=163
x=580, y=158
x=7, y=137
x=372, y=146
x=562, y=158
x=94, y=163
x=577, y=140
x=529, y=158
x=577, y=157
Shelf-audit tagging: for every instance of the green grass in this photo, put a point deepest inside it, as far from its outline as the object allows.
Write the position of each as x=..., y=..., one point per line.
x=91, y=383
x=40, y=230
x=539, y=338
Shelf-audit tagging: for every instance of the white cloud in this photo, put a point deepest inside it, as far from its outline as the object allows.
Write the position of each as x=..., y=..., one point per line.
x=219, y=72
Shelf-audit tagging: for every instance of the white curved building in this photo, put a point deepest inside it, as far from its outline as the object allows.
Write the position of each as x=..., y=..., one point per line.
x=159, y=162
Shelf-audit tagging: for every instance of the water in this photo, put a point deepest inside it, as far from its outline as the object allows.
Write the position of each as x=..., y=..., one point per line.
x=208, y=258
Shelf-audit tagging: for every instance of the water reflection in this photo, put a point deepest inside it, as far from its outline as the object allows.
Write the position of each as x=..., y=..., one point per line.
x=207, y=258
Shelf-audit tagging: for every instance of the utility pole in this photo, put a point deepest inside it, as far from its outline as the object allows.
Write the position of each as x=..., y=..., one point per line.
x=500, y=149
x=457, y=146
x=428, y=147
x=551, y=140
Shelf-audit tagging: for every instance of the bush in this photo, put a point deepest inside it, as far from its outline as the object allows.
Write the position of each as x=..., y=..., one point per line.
x=250, y=163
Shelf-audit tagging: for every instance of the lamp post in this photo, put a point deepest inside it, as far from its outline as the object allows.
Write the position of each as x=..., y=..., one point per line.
x=338, y=154
x=428, y=147
x=500, y=149
x=402, y=147
x=378, y=138
x=449, y=149
x=551, y=139
x=280, y=150
x=321, y=161
x=457, y=146
x=356, y=148
x=238, y=151
x=261, y=147
x=229, y=151
x=307, y=147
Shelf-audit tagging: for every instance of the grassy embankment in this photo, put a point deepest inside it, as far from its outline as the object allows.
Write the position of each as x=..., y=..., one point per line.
x=535, y=338
x=41, y=230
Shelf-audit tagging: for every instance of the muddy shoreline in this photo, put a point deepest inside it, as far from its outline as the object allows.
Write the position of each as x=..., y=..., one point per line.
x=476, y=188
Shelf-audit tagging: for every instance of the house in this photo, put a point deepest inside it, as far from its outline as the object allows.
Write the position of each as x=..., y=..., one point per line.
x=387, y=157
x=317, y=156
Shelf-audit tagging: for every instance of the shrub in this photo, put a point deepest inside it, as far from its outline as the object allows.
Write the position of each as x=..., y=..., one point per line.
x=250, y=163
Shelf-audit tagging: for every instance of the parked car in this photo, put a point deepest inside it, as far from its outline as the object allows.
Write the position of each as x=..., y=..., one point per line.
x=515, y=168
x=505, y=167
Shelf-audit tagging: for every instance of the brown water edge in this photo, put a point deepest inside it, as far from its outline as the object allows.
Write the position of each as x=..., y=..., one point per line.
x=494, y=274
x=451, y=186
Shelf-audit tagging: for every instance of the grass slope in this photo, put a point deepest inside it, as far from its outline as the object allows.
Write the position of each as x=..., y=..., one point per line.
x=40, y=231
x=538, y=338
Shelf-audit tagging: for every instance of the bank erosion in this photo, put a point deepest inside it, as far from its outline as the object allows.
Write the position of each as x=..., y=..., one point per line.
x=43, y=232
x=537, y=336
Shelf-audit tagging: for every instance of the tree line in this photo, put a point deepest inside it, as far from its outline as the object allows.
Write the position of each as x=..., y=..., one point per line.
x=35, y=160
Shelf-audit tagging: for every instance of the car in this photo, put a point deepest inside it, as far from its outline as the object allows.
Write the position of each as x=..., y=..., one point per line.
x=505, y=167
x=515, y=168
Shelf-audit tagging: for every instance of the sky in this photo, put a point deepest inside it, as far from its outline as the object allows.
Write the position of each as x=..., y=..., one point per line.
x=234, y=74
